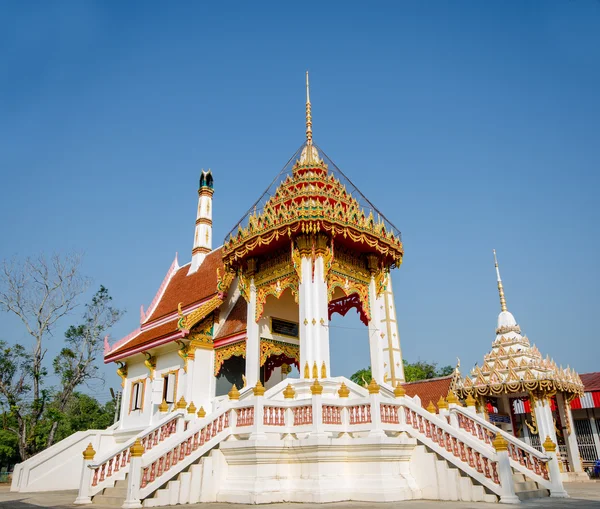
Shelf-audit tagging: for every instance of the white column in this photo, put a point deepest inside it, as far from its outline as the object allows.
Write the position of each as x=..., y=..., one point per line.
x=132, y=499
x=305, y=317
x=564, y=412
x=252, y=341
x=543, y=416
x=557, y=490
x=204, y=382
x=376, y=323
x=392, y=354
x=83, y=497
x=322, y=317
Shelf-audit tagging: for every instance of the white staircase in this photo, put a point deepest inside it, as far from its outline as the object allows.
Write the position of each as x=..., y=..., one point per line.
x=320, y=447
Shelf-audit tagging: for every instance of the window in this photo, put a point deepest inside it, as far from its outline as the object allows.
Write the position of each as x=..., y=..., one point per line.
x=137, y=396
x=284, y=327
x=169, y=387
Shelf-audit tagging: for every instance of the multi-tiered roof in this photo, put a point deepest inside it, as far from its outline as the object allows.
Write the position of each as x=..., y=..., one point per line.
x=312, y=195
x=514, y=366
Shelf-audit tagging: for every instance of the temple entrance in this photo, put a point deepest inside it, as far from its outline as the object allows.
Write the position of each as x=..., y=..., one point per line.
x=230, y=366
x=348, y=334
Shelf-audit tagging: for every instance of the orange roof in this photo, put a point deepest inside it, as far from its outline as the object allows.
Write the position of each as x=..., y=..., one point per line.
x=146, y=336
x=429, y=390
x=591, y=381
x=235, y=321
x=190, y=289
x=180, y=288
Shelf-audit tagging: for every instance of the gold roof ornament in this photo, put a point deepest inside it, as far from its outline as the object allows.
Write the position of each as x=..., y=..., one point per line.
x=89, y=453
x=137, y=449
x=500, y=287
x=234, y=394
x=451, y=398
x=441, y=404
x=500, y=443
x=373, y=387
x=399, y=391
x=549, y=445
x=343, y=392
x=316, y=388
x=258, y=389
x=289, y=392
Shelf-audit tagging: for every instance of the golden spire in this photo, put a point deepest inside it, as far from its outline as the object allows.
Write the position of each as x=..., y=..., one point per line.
x=308, y=115
x=500, y=287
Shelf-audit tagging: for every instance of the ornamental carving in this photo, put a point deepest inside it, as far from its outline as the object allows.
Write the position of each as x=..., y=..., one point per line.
x=275, y=288
x=270, y=347
x=122, y=372
x=349, y=286
x=313, y=201
x=508, y=328
x=201, y=336
x=227, y=352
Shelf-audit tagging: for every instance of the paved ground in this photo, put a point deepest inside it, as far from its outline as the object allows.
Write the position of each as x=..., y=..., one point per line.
x=583, y=496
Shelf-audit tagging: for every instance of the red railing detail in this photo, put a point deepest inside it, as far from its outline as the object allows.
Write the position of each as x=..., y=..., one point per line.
x=122, y=458
x=518, y=454
x=389, y=414
x=360, y=414
x=184, y=448
x=274, y=416
x=302, y=415
x=245, y=416
x=453, y=445
x=332, y=414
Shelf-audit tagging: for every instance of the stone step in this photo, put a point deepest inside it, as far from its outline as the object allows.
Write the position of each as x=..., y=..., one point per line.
x=519, y=477
x=528, y=495
x=108, y=500
x=525, y=486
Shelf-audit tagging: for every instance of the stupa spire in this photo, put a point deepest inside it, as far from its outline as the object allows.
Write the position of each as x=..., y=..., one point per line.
x=500, y=287
x=308, y=113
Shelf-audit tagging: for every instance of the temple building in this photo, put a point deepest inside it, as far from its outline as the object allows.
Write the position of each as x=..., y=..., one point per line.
x=524, y=393
x=228, y=392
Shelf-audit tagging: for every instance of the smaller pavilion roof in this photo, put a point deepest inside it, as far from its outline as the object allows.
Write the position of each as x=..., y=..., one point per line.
x=591, y=381
x=235, y=323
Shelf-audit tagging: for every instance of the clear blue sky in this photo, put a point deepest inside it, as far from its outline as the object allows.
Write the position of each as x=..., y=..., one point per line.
x=471, y=125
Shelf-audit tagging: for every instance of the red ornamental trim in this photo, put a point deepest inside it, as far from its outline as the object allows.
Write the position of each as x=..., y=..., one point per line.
x=345, y=304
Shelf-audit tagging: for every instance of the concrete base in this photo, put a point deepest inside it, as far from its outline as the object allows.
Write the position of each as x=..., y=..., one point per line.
x=318, y=470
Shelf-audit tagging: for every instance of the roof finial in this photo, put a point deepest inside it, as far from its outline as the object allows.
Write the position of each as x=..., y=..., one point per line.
x=308, y=116
x=500, y=287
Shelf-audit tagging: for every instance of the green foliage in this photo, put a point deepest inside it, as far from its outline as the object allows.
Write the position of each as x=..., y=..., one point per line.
x=362, y=376
x=422, y=370
x=419, y=370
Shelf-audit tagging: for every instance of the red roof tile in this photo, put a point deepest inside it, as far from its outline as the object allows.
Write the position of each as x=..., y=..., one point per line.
x=429, y=390
x=196, y=287
x=591, y=381
x=235, y=321
x=146, y=336
x=181, y=288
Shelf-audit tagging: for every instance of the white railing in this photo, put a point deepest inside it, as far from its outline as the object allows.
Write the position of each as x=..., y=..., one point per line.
x=109, y=468
x=462, y=439
x=523, y=458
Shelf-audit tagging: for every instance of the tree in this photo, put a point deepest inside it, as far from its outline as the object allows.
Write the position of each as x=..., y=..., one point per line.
x=419, y=370
x=39, y=292
x=75, y=364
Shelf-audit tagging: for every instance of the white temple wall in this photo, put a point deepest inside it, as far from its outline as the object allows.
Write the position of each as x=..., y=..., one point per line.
x=166, y=362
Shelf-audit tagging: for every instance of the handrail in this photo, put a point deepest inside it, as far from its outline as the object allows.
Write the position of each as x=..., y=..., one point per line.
x=495, y=430
x=522, y=456
x=465, y=452
x=117, y=461
x=160, y=466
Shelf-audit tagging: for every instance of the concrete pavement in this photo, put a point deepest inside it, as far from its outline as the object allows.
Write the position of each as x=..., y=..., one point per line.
x=583, y=496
